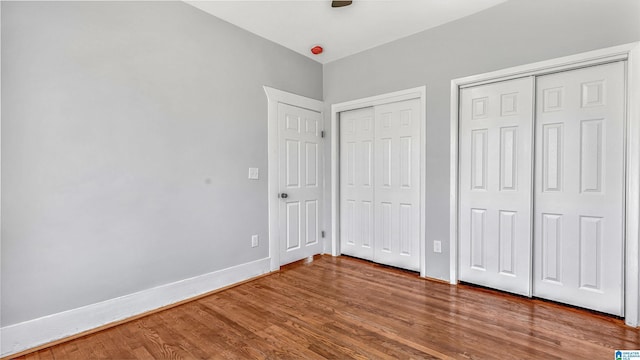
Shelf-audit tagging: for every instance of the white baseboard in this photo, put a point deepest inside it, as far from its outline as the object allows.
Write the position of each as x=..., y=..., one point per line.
x=29, y=334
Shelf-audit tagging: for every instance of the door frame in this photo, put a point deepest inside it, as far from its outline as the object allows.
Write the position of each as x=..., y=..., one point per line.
x=408, y=94
x=630, y=53
x=275, y=97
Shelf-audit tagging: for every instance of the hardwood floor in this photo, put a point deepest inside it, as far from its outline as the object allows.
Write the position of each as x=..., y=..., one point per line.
x=344, y=308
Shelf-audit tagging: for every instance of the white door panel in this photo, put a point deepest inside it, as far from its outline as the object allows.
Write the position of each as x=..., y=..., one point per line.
x=496, y=129
x=579, y=197
x=397, y=184
x=300, y=179
x=356, y=183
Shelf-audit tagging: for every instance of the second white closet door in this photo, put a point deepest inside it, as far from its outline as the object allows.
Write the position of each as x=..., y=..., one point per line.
x=380, y=183
x=397, y=184
x=579, y=196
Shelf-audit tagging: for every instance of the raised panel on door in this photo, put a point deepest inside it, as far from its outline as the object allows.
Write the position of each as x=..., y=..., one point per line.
x=397, y=184
x=495, y=173
x=299, y=164
x=579, y=196
x=356, y=183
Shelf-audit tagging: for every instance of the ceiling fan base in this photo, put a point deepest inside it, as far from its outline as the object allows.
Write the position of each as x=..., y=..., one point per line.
x=337, y=4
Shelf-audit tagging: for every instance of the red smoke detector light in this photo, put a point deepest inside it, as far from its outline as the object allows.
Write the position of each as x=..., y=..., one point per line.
x=317, y=50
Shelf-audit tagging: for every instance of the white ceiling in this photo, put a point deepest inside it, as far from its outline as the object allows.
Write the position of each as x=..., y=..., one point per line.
x=301, y=24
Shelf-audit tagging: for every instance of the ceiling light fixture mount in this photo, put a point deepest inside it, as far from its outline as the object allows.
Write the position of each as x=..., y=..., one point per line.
x=337, y=4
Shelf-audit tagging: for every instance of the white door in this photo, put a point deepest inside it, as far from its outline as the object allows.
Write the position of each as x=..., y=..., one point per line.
x=300, y=148
x=496, y=131
x=380, y=183
x=579, y=195
x=397, y=184
x=356, y=183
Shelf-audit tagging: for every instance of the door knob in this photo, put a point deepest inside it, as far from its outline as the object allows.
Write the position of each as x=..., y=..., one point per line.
x=284, y=196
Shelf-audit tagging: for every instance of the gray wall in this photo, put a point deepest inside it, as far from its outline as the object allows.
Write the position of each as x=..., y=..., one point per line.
x=127, y=132
x=514, y=33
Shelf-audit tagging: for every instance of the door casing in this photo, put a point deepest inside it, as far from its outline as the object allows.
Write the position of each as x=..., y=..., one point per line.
x=630, y=53
x=336, y=109
x=274, y=97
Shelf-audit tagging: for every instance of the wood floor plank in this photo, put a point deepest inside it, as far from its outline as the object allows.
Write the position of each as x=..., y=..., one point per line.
x=287, y=345
x=345, y=308
x=321, y=324
x=142, y=353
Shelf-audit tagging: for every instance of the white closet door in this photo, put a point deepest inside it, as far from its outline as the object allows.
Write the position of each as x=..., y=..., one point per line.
x=397, y=184
x=301, y=210
x=496, y=130
x=356, y=183
x=580, y=188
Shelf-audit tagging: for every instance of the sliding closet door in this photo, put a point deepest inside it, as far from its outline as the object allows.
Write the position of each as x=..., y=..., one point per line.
x=580, y=187
x=356, y=183
x=397, y=184
x=495, y=132
x=380, y=183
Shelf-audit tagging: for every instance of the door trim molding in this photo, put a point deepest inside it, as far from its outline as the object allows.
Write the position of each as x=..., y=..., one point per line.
x=408, y=94
x=629, y=52
x=275, y=97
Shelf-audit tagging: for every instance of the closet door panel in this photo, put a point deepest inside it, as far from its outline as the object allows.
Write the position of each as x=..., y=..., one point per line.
x=356, y=183
x=397, y=184
x=579, y=197
x=495, y=167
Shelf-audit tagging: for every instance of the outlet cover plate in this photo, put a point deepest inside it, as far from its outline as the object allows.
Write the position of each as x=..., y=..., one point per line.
x=253, y=174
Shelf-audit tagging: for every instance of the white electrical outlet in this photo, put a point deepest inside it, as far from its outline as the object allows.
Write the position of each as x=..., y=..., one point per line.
x=254, y=240
x=437, y=246
x=253, y=174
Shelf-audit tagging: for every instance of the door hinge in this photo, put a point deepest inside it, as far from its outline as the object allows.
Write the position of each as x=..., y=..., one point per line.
x=322, y=234
x=322, y=133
